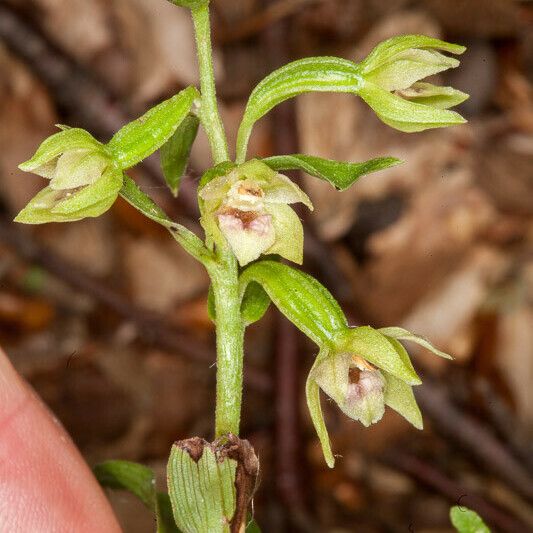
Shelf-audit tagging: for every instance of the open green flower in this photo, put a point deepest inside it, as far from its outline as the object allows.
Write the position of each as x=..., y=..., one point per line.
x=84, y=181
x=249, y=206
x=363, y=372
x=392, y=86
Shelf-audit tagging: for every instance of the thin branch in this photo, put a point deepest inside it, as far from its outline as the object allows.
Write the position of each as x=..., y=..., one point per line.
x=151, y=326
x=430, y=476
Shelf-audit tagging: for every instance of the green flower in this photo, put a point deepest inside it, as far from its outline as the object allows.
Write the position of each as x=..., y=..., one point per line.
x=249, y=207
x=392, y=86
x=84, y=181
x=363, y=371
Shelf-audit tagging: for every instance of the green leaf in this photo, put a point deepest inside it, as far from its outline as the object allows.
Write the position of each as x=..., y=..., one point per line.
x=143, y=203
x=140, y=138
x=467, y=521
x=255, y=304
x=404, y=335
x=55, y=145
x=176, y=151
x=374, y=347
x=404, y=115
x=252, y=526
x=201, y=490
x=140, y=481
x=325, y=74
x=300, y=297
x=340, y=174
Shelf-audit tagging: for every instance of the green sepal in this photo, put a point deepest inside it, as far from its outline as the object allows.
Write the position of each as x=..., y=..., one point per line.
x=402, y=334
x=289, y=242
x=312, y=394
x=176, y=151
x=386, y=354
x=404, y=115
x=324, y=74
x=140, y=138
x=300, y=297
x=143, y=203
x=55, y=145
x=433, y=95
x=255, y=304
x=339, y=173
x=140, y=481
x=467, y=521
x=50, y=205
x=399, y=396
x=201, y=490
x=387, y=51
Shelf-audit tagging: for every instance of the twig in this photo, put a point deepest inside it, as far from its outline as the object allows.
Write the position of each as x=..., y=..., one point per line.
x=274, y=12
x=75, y=90
x=473, y=436
x=151, y=326
x=458, y=495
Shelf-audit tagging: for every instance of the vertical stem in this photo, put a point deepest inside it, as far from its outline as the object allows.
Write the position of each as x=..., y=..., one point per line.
x=209, y=113
x=230, y=349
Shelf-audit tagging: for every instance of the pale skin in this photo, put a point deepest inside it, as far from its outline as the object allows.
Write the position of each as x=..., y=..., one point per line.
x=45, y=485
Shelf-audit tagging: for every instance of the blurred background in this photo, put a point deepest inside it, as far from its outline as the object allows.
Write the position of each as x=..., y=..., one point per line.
x=107, y=317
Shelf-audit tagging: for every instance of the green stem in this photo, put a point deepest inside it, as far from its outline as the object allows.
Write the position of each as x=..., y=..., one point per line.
x=209, y=113
x=230, y=344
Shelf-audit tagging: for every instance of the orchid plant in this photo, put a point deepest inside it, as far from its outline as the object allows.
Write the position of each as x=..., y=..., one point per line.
x=250, y=226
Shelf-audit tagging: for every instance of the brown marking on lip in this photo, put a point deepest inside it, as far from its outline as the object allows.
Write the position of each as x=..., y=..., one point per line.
x=246, y=217
x=251, y=190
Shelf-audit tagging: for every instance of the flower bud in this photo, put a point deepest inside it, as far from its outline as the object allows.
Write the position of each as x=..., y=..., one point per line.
x=392, y=72
x=84, y=181
x=249, y=207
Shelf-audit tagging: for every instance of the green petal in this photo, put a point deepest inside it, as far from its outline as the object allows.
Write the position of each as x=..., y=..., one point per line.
x=467, y=521
x=433, y=95
x=399, y=396
x=77, y=168
x=312, y=394
x=55, y=145
x=104, y=190
x=404, y=335
x=373, y=346
x=404, y=115
x=289, y=233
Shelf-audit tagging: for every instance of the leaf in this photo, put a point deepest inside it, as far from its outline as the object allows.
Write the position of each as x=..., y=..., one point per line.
x=467, y=521
x=252, y=526
x=201, y=490
x=254, y=303
x=253, y=307
x=373, y=346
x=300, y=297
x=140, y=481
x=404, y=335
x=140, y=138
x=340, y=174
x=325, y=74
x=176, y=151
x=143, y=203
